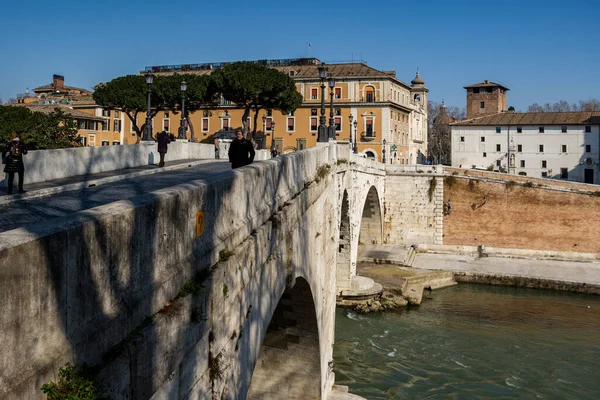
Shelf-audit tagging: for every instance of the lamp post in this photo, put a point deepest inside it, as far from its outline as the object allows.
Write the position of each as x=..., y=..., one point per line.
x=355, y=149
x=182, y=124
x=331, y=119
x=351, y=118
x=263, y=145
x=383, y=152
x=148, y=126
x=322, y=136
x=273, y=147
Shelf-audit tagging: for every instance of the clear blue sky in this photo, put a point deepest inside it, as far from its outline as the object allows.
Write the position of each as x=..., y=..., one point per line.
x=544, y=51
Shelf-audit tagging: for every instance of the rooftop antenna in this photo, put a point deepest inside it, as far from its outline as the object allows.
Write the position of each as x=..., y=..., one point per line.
x=309, y=50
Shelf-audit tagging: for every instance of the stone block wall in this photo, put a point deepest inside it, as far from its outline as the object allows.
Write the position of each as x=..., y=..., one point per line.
x=82, y=289
x=410, y=216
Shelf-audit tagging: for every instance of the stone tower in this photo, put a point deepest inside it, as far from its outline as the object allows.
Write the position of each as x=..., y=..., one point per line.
x=485, y=98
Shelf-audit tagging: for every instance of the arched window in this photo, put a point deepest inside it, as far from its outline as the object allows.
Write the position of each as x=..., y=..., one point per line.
x=370, y=154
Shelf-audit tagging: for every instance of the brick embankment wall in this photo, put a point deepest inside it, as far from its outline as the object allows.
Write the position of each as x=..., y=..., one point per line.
x=513, y=216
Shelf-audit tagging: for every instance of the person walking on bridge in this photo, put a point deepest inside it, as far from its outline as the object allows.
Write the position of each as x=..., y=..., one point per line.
x=241, y=151
x=12, y=156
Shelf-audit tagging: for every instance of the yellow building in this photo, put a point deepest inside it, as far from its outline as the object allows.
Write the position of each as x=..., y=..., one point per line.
x=390, y=114
x=97, y=126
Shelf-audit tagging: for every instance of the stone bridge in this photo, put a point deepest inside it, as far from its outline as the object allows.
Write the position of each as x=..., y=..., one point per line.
x=223, y=287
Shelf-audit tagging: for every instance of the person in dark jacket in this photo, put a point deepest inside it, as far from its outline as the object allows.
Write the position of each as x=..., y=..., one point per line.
x=241, y=151
x=13, y=156
x=163, y=142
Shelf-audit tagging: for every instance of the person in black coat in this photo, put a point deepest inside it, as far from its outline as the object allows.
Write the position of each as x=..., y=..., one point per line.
x=163, y=143
x=13, y=157
x=241, y=151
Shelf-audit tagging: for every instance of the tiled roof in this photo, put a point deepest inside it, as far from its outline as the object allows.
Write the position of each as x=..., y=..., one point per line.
x=485, y=84
x=46, y=88
x=547, y=118
x=49, y=108
x=338, y=71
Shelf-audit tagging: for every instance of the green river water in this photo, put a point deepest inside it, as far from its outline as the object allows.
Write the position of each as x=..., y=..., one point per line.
x=474, y=342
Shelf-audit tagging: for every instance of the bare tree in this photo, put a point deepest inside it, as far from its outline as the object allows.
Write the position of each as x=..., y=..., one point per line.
x=439, y=140
x=564, y=106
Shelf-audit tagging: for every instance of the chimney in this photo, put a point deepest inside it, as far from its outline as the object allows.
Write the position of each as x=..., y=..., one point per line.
x=58, y=81
x=486, y=81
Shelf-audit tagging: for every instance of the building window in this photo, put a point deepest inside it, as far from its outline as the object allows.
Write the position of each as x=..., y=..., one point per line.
x=498, y=129
x=338, y=93
x=292, y=73
x=519, y=129
x=205, y=113
x=541, y=148
x=117, y=125
x=482, y=104
x=462, y=138
x=485, y=154
x=498, y=163
x=105, y=125
x=544, y=164
x=370, y=96
x=369, y=131
x=563, y=148
x=475, y=90
x=313, y=94
x=541, y=129
x=564, y=173
x=313, y=124
x=544, y=174
x=290, y=114
x=166, y=114
x=588, y=148
x=105, y=143
x=313, y=111
x=300, y=144
x=269, y=124
x=338, y=111
x=588, y=129
x=91, y=140
x=225, y=124
x=563, y=129
x=87, y=125
x=204, y=124
x=519, y=148
x=338, y=123
x=115, y=143
x=166, y=124
x=522, y=163
x=83, y=140
x=106, y=113
x=498, y=147
x=117, y=115
x=290, y=124
x=482, y=139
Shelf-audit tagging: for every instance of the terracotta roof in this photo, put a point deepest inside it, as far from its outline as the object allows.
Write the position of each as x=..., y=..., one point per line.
x=485, y=84
x=547, y=118
x=311, y=72
x=49, y=108
x=50, y=87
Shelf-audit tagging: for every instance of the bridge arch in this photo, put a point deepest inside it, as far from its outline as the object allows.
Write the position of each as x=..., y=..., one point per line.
x=288, y=364
x=371, y=223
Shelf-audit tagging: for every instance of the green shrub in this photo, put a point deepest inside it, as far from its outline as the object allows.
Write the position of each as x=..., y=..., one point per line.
x=74, y=383
x=528, y=184
x=450, y=181
x=509, y=185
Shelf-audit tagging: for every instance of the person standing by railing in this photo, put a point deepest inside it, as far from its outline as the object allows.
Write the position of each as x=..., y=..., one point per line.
x=12, y=156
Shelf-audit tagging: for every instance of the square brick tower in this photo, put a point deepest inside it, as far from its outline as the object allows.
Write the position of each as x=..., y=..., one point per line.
x=485, y=98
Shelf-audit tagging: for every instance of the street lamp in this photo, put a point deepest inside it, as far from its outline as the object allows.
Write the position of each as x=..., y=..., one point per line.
x=182, y=124
x=148, y=126
x=263, y=145
x=273, y=148
x=383, y=152
x=353, y=133
x=331, y=120
x=322, y=137
x=355, y=149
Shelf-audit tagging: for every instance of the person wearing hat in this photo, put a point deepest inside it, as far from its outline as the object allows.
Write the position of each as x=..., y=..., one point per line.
x=12, y=156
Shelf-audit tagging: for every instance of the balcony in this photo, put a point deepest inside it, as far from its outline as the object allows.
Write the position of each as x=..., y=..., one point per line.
x=367, y=136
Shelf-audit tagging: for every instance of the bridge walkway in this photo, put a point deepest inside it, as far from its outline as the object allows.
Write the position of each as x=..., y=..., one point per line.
x=58, y=198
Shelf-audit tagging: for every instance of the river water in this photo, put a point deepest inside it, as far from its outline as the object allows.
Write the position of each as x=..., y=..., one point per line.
x=474, y=342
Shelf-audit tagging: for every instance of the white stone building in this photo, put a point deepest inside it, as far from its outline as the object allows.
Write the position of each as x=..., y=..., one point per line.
x=560, y=145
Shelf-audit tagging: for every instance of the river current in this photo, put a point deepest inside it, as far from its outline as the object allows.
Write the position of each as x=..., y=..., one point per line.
x=474, y=342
